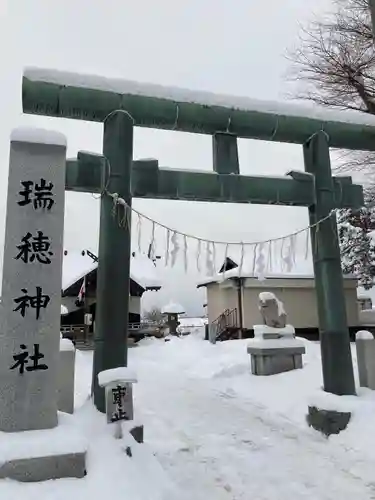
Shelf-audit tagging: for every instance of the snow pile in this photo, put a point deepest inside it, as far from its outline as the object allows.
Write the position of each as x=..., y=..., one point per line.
x=325, y=401
x=208, y=422
x=195, y=326
x=44, y=443
x=120, y=374
x=66, y=344
x=110, y=470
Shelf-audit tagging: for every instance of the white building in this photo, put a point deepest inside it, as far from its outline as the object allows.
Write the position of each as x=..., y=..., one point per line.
x=233, y=300
x=81, y=270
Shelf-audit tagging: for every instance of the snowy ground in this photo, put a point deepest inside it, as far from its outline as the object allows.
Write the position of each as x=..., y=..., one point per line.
x=215, y=432
x=192, y=325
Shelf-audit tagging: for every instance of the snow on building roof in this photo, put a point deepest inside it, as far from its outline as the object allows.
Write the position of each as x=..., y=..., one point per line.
x=144, y=272
x=173, y=308
x=175, y=94
x=76, y=266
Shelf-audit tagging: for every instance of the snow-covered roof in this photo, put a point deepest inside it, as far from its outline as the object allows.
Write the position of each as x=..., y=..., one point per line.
x=120, y=86
x=76, y=266
x=144, y=272
x=173, y=308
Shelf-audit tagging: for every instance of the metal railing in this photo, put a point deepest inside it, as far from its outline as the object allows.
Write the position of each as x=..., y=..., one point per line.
x=77, y=332
x=226, y=321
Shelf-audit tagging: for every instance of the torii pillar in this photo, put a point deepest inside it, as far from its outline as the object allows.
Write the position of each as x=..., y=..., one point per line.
x=112, y=308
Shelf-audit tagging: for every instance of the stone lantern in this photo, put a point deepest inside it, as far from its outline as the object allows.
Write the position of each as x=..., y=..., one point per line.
x=172, y=310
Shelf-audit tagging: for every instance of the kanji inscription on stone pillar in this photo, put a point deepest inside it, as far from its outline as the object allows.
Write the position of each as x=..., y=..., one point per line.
x=31, y=290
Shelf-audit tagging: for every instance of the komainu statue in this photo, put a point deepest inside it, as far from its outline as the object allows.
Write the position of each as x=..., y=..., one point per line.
x=272, y=310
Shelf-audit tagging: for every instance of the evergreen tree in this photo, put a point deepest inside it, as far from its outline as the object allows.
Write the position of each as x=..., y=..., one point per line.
x=356, y=229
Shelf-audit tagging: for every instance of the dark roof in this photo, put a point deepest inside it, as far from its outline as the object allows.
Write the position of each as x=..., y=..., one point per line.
x=228, y=264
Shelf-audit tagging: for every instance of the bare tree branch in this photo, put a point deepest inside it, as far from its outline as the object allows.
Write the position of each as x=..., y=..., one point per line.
x=334, y=66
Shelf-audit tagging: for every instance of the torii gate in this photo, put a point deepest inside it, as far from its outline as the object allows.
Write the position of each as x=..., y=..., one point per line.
x=122, y=105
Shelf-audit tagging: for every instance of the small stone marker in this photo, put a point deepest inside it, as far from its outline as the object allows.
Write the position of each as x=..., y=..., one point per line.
x=32, y=269
x=212, y=333
x=365, y=346
x=118, y=395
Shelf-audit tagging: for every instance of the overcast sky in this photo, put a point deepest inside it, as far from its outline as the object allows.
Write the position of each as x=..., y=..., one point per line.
x=235, y=47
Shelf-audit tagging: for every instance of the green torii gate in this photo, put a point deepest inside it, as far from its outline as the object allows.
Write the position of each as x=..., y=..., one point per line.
x=123, y=105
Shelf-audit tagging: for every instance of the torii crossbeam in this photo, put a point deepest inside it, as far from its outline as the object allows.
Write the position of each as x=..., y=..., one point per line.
x=123, y=105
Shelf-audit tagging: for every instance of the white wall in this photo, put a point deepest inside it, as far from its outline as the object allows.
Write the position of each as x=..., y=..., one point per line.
x=298, y=296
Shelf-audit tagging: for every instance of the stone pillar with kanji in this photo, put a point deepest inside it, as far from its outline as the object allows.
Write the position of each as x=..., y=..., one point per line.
x=31, y=289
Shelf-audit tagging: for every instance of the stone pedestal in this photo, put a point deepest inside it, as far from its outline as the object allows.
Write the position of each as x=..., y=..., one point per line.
x=269, y=357
x=365, y=346
x=43, y=455
x=37, y=469
x=270, y=333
